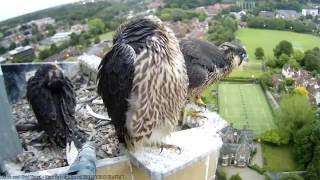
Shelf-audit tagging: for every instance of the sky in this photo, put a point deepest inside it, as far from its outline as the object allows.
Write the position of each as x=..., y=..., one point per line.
x=13, y=8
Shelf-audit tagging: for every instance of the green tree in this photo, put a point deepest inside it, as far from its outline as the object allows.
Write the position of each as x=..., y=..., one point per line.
x=289, y=81
x=282, y=60
x=313, y=169
x=235, y=177
x=96, y=26
x=53, y=49
x=284, y=47
x=271, y=63
x=51, y=30
x=302, y=146
x=259, y=53
x=293, y=63
x=294, y=113
x=178, y=14
x=298, y=56
x=25, y=42
x=2, y=50
x=307, y=149
x=312, y=60
x=44, y=54
x=12, y=46
x=74, y=39
x=222, y=30
x=275, y=136
x=221, y=175
x=266, y=79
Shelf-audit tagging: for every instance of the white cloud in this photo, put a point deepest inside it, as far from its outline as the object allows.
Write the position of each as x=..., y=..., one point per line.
x=13, y=8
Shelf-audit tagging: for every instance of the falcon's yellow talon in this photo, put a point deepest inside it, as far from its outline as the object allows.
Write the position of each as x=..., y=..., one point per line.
x=199, y=102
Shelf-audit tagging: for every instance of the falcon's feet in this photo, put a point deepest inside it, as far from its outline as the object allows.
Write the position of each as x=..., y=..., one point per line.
x=170, y=146
x=199, y=102
x=194, y=114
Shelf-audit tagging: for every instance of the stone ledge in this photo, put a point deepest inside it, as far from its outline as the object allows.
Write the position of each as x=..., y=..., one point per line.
x=198, y=146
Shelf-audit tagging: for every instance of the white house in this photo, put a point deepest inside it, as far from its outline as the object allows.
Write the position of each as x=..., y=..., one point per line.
x=238, y=15
x=61, y=36
x=311, y=11
x=288, y=72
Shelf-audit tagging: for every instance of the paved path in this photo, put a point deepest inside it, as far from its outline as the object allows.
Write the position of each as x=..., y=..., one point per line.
x=258, y=158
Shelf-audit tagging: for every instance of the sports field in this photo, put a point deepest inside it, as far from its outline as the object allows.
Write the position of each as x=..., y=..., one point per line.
x=244, y=104
x=268, y=39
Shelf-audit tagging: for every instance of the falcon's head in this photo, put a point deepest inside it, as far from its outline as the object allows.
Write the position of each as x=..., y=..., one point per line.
x=234, y=52
x=52, y=75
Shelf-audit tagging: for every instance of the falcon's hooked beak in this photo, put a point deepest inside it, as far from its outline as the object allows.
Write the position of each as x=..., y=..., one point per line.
x=237, y=49
x=243, y=57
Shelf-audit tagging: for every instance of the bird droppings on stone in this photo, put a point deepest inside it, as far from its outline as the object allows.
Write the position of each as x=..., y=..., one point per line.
x=40, y=154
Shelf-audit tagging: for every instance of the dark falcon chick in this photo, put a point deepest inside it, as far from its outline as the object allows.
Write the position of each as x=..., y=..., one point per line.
x=143, y=82
x=52, y=98
x=207, y=63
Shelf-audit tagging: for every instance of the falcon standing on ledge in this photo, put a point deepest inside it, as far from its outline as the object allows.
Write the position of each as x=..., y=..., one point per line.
x=207, y=63
x=52, y=98
x=143, y=82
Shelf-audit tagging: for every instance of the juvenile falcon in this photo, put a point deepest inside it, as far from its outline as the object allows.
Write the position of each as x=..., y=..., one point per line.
x=207, y=63
x=52, y=98
x=143, y=82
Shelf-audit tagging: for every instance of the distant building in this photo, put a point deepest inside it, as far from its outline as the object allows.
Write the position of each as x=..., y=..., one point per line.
x=246, y=4
x=268, y=14
x=287, y=14
x=64, y=55
x=217, y=8
x=100, y=49
x=303, y=78
x=78, y=28
x=22, y=53
x=41, y=23
x=237, y=147
x=311, y=11
x=200, y=10
x=238, y=15
x=60, y=37
x=2, y=59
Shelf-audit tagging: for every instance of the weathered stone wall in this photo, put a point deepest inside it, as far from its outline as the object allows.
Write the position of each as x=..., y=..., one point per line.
x=10, y=144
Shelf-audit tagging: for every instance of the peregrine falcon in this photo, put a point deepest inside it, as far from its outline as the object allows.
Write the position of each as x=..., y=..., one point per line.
x=207, y=63
x=52, y=98
x=143, y=82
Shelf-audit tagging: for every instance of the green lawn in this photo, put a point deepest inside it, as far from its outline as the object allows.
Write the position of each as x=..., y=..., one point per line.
x=246, y=73
x=106, y=36
x=245, y=104
x=210, y=98
x=268, y=39
x=1, y=34
x=278, y=158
